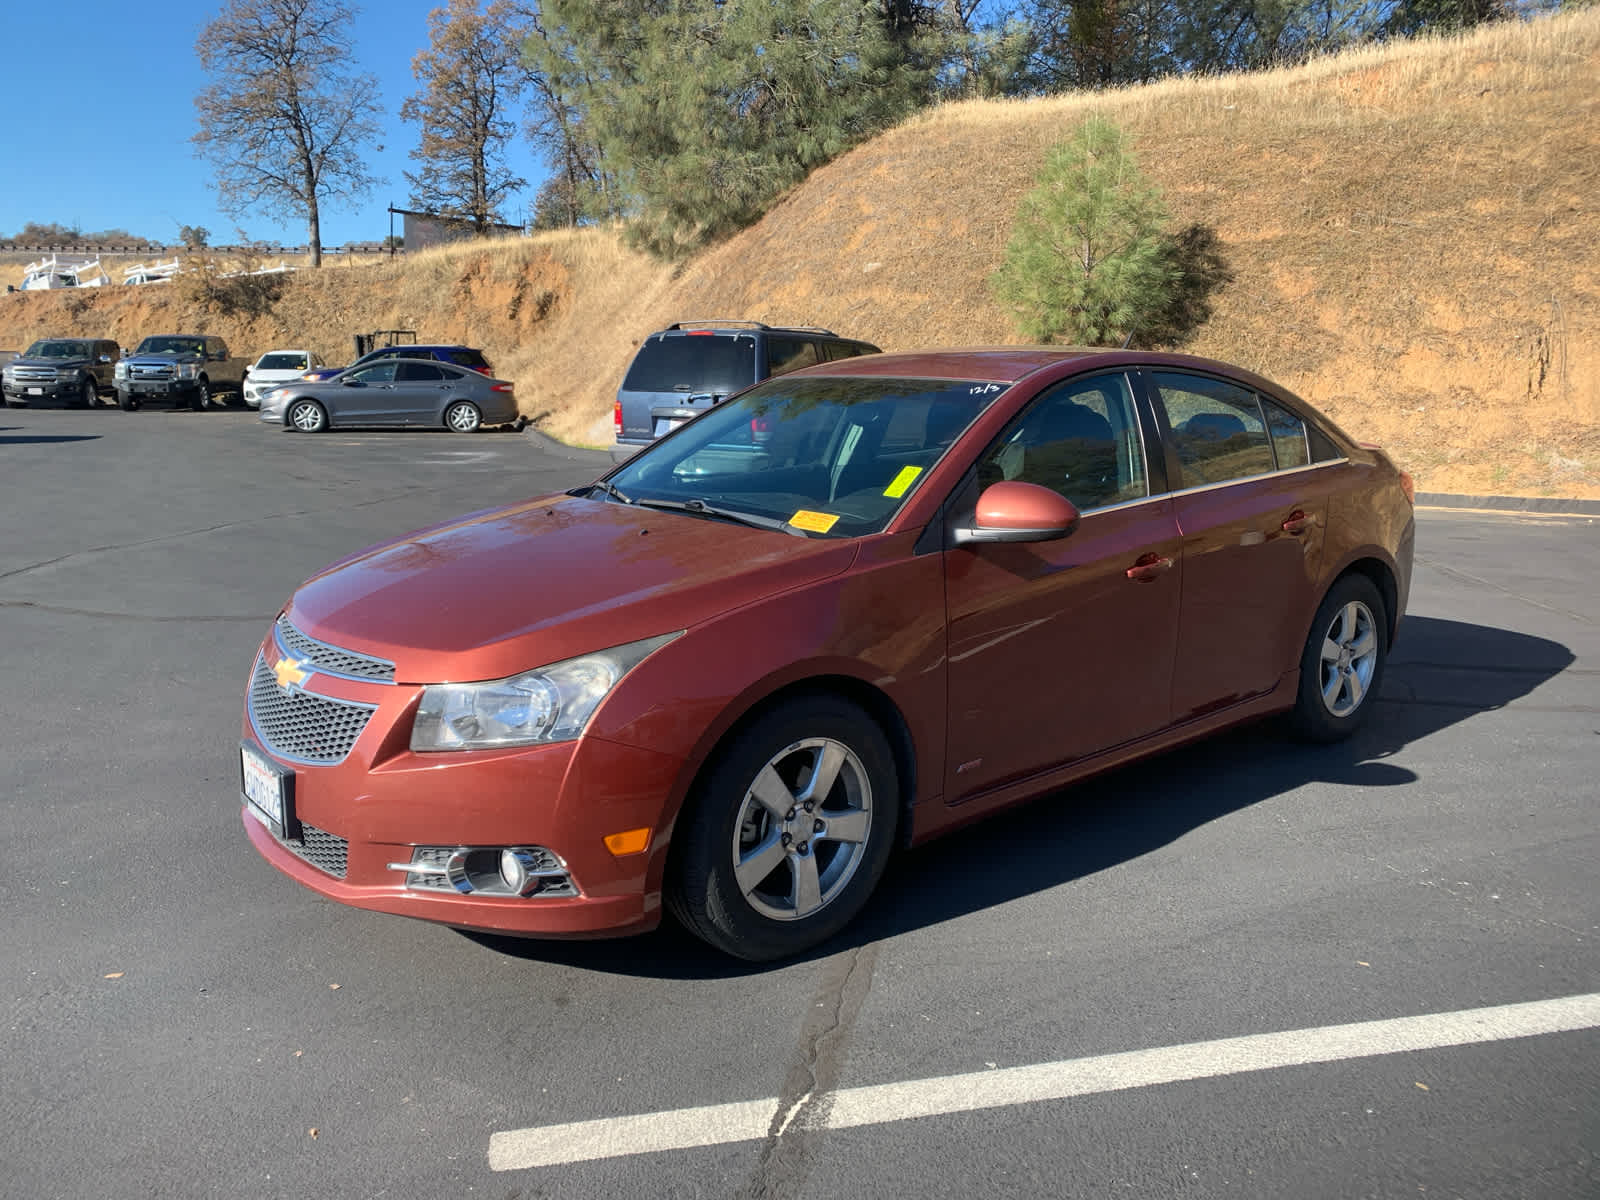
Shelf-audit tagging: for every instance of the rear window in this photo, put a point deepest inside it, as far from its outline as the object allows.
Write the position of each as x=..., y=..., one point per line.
x=692, y=364
x=464, y=357
x=284, y=362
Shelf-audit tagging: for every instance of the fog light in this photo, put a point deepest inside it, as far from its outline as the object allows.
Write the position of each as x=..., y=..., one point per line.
x=512, y=873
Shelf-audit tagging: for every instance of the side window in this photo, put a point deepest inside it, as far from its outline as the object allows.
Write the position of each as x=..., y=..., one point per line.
x=219, y=349
x=1080, y=439
x=789, y=354
x=378, y=372
x=838, y=350
x=1288, y=432
x=415, y=371
x=1217, y=429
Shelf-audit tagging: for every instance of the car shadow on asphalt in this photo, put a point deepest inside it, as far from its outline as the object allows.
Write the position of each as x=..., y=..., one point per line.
x=1443, y=672
x=24, y=439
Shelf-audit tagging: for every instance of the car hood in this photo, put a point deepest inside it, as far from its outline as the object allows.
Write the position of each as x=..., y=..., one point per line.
x=164, y=356
x=510, y=589
x=23, y=361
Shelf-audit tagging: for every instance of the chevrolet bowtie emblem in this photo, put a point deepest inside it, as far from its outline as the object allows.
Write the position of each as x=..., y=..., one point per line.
x=290, y=672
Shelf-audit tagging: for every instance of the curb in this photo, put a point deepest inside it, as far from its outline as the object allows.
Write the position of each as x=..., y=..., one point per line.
x=1553, y=505
x=593, y=458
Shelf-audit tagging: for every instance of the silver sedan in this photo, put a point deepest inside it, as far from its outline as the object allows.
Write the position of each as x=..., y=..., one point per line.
x=413, y=393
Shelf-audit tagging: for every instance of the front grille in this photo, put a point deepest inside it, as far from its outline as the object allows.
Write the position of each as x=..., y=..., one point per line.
x=151, y=371
x=34, y=375
x=331, y=659
x=328, y=852
x=300, y=726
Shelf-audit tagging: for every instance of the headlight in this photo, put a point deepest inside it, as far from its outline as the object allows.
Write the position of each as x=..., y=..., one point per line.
x=188, y=370
x=552, y=704
x=120, y=371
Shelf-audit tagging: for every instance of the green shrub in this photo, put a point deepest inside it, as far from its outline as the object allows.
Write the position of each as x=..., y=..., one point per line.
x=1087, y=263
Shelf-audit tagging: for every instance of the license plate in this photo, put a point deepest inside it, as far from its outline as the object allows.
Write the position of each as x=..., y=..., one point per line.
x=35, y=391
x=665, y=425
x=268, y=790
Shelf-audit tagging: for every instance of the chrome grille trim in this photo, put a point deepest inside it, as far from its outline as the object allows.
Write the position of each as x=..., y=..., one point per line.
x=331, y=660
x=328, y=852
x=34, y=375
x=302, y=727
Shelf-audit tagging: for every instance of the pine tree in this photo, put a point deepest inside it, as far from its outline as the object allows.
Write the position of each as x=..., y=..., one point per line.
x=1086, y=262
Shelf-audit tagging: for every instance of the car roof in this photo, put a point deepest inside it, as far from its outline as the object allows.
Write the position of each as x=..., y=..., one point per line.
x=1009, y=364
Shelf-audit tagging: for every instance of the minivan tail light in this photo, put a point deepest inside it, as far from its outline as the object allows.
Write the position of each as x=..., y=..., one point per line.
x=616, y=416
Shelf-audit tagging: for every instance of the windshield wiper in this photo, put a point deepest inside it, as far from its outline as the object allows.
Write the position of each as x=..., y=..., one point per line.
x=600, y=485
x=726, y=514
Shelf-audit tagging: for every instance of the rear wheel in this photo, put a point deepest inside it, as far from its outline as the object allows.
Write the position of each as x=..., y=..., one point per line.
x=463, y=417
x=1341, y=668
x=788, y=832
x=308, y=416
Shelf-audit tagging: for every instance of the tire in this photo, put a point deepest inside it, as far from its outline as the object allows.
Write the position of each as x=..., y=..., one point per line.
x=1341, y=668
x=307, y=416
x=127, y=402
x=201, y=399
x=767, y=877
x=463, y=417
x=88, y=397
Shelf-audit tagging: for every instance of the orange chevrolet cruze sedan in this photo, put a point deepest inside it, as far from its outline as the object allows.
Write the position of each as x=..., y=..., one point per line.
x=847, y=610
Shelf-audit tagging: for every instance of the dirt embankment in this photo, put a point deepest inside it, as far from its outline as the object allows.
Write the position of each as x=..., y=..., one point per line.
x=1407, y=236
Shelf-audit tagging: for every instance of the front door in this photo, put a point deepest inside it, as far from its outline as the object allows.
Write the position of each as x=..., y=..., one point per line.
x=1059, y=650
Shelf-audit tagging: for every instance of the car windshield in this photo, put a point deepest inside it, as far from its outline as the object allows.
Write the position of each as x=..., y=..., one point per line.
x=284, y=360
x=172, y=345
x=829, y=455
x=58, y=350
x=693, y=363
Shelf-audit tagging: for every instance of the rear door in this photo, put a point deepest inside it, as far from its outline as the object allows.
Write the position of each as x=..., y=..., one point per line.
x=676, y=376
x=420, y=388
x=1252, y=517
x=1059, y=650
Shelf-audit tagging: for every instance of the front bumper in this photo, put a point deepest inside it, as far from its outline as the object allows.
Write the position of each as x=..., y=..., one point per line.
x=25, y=393
x=159, y=389
x=383, y=801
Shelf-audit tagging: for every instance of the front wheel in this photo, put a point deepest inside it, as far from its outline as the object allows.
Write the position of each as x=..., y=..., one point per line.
x=88, y=397
x=463, y=417
x=308, y=416
x=1341, y=668
x=127, y=402
x=788, y=832
x=201, y=400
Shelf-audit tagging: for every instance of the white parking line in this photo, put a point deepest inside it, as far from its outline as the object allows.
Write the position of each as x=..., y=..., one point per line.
x=749, y=1121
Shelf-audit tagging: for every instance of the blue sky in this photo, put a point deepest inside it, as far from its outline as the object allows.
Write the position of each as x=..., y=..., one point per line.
x=99, y=100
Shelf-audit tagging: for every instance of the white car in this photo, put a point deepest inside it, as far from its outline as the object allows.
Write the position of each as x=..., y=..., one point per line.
x=275, y=368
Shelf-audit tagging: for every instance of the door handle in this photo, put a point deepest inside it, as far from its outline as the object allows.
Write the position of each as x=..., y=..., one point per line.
x=1149, y=567
x=1298, y=522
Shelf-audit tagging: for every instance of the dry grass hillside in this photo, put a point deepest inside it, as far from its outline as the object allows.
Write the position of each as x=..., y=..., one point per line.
x=1411, y=240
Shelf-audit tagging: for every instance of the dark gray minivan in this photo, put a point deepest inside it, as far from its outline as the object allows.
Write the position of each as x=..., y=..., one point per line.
x=689, y=367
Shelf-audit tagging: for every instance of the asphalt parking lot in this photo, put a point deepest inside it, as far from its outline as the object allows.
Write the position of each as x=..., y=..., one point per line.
x=1071, y=999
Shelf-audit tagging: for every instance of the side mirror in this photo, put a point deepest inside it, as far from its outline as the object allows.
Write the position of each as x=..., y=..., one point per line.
x=1013, y=511
x=352, y=383
x=105, y=358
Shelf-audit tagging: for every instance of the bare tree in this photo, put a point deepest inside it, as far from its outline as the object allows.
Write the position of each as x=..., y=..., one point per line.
x=471, y=77
x=285, y=120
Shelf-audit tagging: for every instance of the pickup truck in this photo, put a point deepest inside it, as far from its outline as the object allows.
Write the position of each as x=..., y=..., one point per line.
x=75, y=370
x=189, y=368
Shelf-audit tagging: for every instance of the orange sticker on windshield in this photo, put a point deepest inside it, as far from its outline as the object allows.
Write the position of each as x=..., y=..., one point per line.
x=902, y=481
x=814, y=522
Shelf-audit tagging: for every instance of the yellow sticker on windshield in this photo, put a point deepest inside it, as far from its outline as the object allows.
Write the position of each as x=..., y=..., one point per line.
x=815, y=522
x=902, y=481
